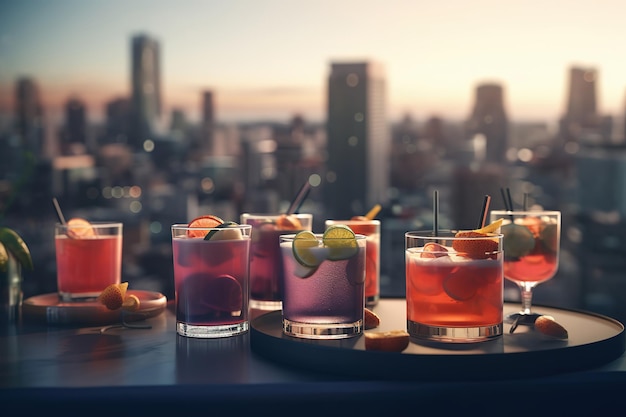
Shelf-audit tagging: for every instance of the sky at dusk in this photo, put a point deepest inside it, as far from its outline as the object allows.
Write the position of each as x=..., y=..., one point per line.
x=271, y=58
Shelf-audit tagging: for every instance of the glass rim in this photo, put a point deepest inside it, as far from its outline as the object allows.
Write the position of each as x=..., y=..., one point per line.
x=334, y=221
x=92, y=224
x=527, y=212
x=291, y=236
x=273, y=215
x=429, y=234
x=185, y=226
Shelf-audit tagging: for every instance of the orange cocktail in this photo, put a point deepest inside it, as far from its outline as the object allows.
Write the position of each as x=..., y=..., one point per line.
x=89, y=258
x=454, y=286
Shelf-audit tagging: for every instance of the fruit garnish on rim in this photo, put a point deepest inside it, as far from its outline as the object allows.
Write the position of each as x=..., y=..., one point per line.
x=288, y=222
x=231, y=232
x=474, y=246
x=202, y=223
x=341, y=241
x=370, y=214
x=78, y=228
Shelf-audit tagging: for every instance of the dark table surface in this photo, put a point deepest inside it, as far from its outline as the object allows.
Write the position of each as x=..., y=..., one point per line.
x=155, y=370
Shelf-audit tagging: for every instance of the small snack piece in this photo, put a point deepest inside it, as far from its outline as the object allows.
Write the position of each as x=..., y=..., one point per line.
x=371, y=319
x=390, y=341
x=113, y=296
x=549, y=327
x=131, y=303
x=79, y=228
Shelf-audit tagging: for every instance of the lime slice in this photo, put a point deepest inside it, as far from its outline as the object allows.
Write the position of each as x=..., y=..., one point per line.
x=341, y=241
x=233, y=234
x=303, y=242
x=13, y=243
x=518, y=241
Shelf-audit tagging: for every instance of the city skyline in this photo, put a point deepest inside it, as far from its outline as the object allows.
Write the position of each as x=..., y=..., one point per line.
x=270, y=59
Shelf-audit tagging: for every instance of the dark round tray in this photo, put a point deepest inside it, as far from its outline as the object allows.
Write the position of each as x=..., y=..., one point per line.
x=593, y=340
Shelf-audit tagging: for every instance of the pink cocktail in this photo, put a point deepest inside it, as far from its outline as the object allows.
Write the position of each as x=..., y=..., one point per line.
x=453, y=292
x=211, y=280
x=266, y=267
x=87, y=262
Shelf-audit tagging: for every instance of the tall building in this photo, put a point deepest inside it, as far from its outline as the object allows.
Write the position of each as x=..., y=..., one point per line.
x=117, y=121
x=208, y=122
x=358, y=140
x=146, y=89
x=581, y=121
x=74, y=138
x=489, y=120
x=29, y=116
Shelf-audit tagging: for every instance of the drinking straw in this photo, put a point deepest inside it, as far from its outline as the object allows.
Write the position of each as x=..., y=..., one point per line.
x=436, y=213
x=57, y=208
x=483, y=213
x=525, y=201
x=373, y=212
x=299, y=198
x=509, y=199
x=506, y=202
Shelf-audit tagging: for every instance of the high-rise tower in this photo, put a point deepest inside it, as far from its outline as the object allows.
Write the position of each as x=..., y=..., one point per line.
x=74, y=139
x=358, y=140
x=146, y=89
x=581, y=114
x=29, y=116
x=489, y=119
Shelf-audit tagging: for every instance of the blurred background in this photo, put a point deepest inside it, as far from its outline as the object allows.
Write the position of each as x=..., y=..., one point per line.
x=155, y=112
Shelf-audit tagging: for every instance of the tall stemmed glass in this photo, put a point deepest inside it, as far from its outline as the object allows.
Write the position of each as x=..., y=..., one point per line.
x=531, y=253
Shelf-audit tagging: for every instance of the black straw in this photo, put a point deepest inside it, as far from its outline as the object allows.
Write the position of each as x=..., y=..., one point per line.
x=525, y=201
x=436, y=213
x=57, y=208
x=299, y=198
x=509, y=199
x=485, y=210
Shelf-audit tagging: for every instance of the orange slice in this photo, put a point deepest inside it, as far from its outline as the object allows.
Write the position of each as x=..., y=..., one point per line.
x=78, y=228
x=131, y=303
x=475, y=248
x=203, y=222
x=288, y=222
x=113, y=296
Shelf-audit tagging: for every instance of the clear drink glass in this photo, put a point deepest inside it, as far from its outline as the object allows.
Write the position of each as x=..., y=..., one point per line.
x=89, y=258
x=371, y=229
x=454, y=286
x=211, y=278
x=326, y=301
x=266, y=266
x=531, y=253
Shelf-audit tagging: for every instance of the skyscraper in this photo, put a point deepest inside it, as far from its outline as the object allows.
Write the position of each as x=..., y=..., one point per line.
x=358, y=145
x=29, y=116
x=208, y=122
x=74, y=139
x=489, y=119
x=581, y=115
x=146, y=89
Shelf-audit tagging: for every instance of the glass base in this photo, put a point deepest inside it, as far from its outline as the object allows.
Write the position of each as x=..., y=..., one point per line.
x=266, y=305
x=322, y=330
x=67, y=297
x=454, y=334
x=210, y=332
x=372, y=300
x=522, y=319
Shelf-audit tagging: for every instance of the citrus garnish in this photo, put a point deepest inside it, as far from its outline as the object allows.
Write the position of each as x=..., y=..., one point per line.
x=78, y=228
x=341, y=241
x=11, y=242
x=550, y=238
x=475, y=248
x=203, y=222
x=434, y=250
x=518, y=241
x=131, y=303
x=230, y=234
x=302, y=244
x=113, y=296
x=288, y=222
x=491, y=227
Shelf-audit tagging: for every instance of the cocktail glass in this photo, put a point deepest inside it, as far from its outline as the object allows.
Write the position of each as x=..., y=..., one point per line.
x=531, y=253
x=324, y=299
x=88, y=257
x=454, y=286
x=371, y=229
x=266, y=266
x=211, y=280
